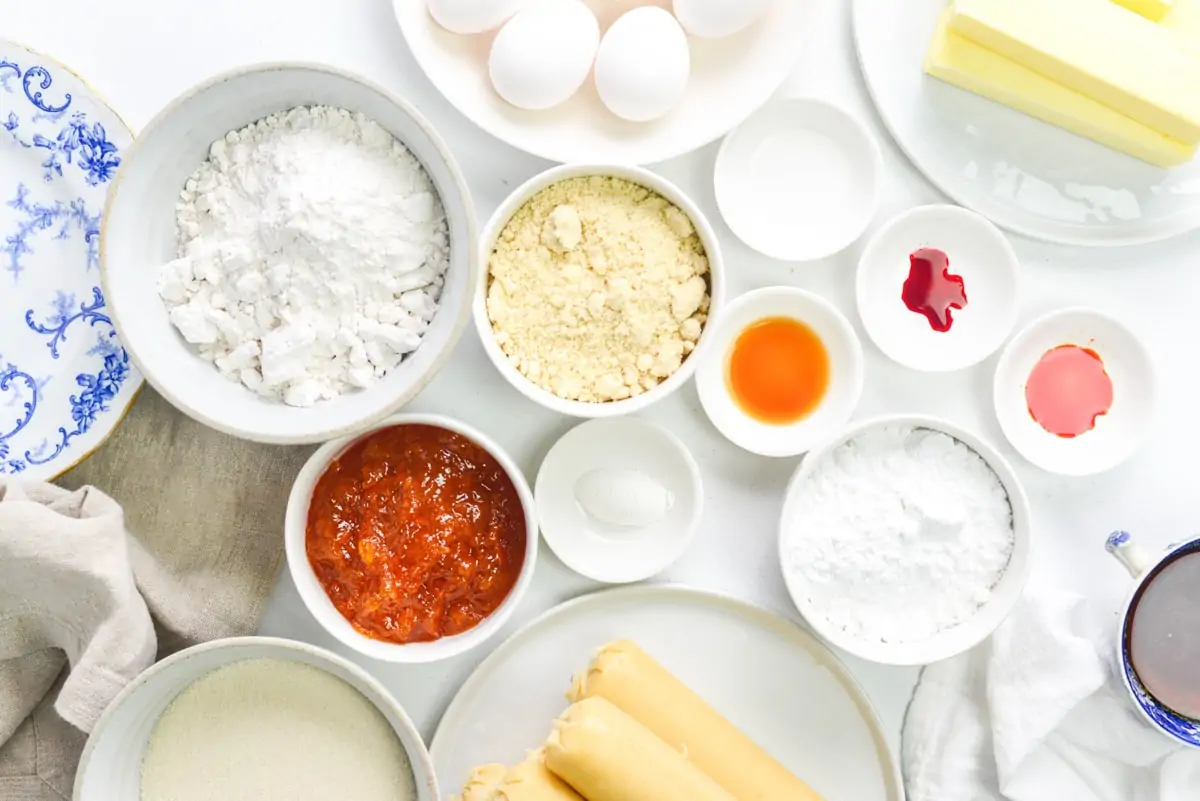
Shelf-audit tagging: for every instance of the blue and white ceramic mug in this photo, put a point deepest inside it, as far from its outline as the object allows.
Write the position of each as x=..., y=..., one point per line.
x=1144, y=567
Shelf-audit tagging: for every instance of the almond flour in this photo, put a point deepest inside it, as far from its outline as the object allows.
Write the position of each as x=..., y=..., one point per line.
x=597, y=289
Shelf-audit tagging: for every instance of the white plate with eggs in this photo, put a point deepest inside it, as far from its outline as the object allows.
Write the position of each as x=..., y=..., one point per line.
x=616, y=81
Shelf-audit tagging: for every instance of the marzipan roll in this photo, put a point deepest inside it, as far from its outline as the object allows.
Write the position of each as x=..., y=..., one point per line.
x=608, y=756
x=482, y=783
x=531, y=780
x=625, y=675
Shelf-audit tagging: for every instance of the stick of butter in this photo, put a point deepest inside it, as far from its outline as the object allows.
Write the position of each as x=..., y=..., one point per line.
x=969, y=66
x=1098, y=48
x=1150, y=9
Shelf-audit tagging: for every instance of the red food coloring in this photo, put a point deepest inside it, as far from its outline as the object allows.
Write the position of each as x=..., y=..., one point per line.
x=931, y=290
x=1068, y=389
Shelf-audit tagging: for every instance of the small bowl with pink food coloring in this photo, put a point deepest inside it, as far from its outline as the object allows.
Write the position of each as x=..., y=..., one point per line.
x=938, y=288
x=1075, y=392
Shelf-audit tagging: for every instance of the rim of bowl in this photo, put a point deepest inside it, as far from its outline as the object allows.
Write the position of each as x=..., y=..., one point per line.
x=857, y=366
x=444, y=153
x=380, y=697
x=689, y=531
x=487, y=242
x=933, y=649
x=317, y=601
x=876, y=168
x=1004, y=365
x=1011, y=265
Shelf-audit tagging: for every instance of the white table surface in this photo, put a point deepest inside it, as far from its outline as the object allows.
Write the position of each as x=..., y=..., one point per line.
x=140, y=54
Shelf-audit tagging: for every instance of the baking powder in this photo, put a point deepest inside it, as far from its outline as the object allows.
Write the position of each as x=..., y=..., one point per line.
x=899, y=533
x=312, y=250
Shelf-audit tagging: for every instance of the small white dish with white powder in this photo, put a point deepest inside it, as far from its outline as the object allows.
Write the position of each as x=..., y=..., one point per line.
x=905, y=540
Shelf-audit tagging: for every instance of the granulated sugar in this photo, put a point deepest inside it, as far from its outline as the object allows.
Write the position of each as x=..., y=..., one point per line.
x=268, y=729
x=900, y=533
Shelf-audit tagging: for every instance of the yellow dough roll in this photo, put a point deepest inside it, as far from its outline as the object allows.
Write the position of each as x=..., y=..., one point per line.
x=531, y=780
x=482, y=783
x=626, y=676
x=608, y=756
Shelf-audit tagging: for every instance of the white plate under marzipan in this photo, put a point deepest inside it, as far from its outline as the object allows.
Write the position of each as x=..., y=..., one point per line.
x=1023, y=174
x=768, y=676
x=730, y=78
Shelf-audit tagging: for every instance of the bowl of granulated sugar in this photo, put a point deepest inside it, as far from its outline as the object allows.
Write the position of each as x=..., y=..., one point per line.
x=250, y=718
x=905, y=540
x=288, y=253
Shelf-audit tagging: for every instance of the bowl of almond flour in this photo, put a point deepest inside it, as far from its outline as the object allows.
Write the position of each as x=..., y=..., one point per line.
x=905, y=540
x=252, y=718
x=288, y=253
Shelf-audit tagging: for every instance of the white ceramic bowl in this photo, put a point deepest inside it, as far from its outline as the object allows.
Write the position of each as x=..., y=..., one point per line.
x=487, y=243
x=978, y=252
x=138, y=236
x=111, y=765
x=313, y=594
x=601, y=551
x=949, y=642
x=845, y=372
x=798, y=180
x=1118, y=433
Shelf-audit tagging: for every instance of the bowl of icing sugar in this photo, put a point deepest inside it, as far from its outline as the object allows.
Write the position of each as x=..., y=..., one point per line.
x=288, y=253
x=905, y=540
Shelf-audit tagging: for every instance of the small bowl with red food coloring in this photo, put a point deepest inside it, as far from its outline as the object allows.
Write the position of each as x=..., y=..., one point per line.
x=937, y=288
x=1074, y=392
x=413, y=541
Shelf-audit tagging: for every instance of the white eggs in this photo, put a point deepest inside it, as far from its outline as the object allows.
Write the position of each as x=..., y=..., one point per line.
x=643, y=64
x=712, y=19
x=472, y=16
x=543, y=54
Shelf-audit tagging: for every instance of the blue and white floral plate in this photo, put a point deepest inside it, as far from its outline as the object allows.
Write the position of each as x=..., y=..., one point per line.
x=65, y=379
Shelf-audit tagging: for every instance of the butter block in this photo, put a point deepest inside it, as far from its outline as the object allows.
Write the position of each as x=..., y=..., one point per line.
x=976, y=69
x=1098, y=48
x=1150, y=9
x=1184, y=18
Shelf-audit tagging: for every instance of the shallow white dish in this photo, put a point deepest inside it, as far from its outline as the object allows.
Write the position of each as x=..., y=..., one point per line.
x=768, y=676
x=110, y=768
x=799, y=179
x=1022, y=174
x=313, y=594
x=1118, y=433
x=978, y=252
x=487, y=243
x=138, y=237
x=730, y=78
x=600, y=550
x=949, y=642
x=65, y=377
x=845, y=372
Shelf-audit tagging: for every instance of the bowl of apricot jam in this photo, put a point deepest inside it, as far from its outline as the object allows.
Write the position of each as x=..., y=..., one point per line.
x=413, y=541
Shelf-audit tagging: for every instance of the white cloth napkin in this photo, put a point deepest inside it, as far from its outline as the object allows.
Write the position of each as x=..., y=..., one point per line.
x=1037, y=713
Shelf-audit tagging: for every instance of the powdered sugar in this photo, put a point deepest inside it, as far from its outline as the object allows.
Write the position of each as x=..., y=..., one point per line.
x=311, y=256
x=899, y=533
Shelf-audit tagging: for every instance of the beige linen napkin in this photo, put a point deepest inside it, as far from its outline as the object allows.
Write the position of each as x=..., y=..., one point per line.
x=204, y=513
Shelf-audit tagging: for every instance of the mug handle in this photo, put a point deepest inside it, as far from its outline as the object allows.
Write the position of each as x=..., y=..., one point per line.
x=1120, y=544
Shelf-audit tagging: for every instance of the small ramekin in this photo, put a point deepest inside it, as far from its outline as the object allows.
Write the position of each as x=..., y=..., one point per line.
x=716, y=288
x=313, y=594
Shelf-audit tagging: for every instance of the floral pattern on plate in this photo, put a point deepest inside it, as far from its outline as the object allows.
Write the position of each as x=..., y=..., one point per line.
x=65, y=378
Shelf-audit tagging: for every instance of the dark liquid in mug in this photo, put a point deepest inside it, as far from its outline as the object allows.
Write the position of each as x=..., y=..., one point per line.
x=1164, y=635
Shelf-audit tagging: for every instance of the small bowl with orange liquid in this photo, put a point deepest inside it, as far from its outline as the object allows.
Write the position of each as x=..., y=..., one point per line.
x=785, y=372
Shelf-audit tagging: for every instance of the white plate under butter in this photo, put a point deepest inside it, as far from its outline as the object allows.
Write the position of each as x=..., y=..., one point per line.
x=768, y=676
x=1022, y=174
x=596, y=494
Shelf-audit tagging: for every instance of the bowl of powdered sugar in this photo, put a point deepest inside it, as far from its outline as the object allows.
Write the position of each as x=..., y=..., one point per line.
x=905, y=540
x=252, y=718
x=288, y=253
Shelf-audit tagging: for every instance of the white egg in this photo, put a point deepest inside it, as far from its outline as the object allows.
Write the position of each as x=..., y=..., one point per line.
x=625, y=498
x=472, y=16
x=712, y=19
x=642, y=65
x=543, y=55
